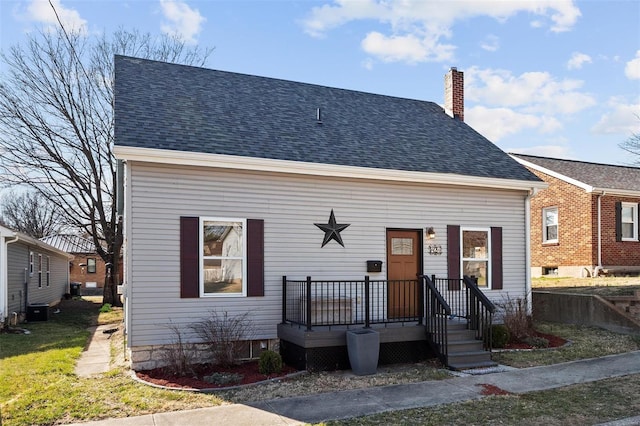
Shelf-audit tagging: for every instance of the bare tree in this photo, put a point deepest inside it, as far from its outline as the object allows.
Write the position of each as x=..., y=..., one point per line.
x=56, y=126
x=632, y=146
x=29, y=213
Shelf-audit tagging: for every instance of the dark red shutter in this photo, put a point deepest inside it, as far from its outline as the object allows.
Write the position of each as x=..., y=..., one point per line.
x=453, y=256
x=255, y=257
x=496, y=258
x=189, y=257
x=618, y=221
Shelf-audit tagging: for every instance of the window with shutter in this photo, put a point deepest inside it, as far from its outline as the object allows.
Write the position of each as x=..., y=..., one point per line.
x=477, y=252
x=221, y=257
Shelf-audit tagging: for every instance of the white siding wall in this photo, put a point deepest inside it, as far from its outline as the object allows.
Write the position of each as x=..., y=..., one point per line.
x=290, y=205
x=18, y=260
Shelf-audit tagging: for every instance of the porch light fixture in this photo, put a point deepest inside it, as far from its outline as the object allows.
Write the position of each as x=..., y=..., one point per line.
x=431, y=233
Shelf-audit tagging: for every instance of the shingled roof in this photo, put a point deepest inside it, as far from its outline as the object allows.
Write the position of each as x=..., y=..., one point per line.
x=176, y=107
x=598, y=176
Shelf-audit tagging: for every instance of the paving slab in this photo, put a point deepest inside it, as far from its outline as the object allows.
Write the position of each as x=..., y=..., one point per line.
x=96, y=358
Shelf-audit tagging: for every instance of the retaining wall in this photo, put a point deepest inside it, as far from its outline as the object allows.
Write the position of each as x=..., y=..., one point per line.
x=582, y=309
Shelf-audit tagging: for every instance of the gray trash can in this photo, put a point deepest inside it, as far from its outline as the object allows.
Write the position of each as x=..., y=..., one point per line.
x=75, y=289
x=363, y=346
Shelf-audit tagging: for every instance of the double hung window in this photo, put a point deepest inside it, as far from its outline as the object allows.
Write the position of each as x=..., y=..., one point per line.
x=223, y=257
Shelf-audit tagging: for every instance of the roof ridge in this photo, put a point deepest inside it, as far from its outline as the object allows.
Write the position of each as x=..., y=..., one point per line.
x=574, y=161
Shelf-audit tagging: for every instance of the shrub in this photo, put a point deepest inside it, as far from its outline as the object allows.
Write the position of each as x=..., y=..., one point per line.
x=224, y=334
x=500, y=335
x=106, y=308
x=179, y=357
x=516, y=319
x=270, y=362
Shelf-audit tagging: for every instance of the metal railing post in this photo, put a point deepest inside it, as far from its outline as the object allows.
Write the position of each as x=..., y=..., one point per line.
x=366, y=302
x=284, y=299
x=308, y=303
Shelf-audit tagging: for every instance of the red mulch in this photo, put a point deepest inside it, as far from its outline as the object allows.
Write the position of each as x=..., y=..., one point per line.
x=554, y=342
x=488, y=389
x=248, y=370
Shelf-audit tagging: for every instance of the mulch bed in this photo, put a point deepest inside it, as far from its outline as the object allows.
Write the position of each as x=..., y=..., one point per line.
x=554, y=342
x=488, y=389
x=248, y=371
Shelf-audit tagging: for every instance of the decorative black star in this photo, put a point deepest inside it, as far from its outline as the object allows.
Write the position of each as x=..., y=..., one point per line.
x=332, y=230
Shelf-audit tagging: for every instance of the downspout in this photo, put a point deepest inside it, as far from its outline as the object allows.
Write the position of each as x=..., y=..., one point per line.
x=598, y=268
x=527, y=249
x=4, y=278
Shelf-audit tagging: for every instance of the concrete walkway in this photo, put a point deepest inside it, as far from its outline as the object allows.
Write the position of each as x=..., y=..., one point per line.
x=354, y=403
x=96, y=358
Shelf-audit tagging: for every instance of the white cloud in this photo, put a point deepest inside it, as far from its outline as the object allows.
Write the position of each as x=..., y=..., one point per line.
x=407, y=48
x=531, y=92
x=554, y=151
x=184, y=22
x=498, y=123
x=417, y=28
x=632, y=69
x=41, y=11
x=490, y=43
x=577, y=60
x=367, y=64
x=623, y=118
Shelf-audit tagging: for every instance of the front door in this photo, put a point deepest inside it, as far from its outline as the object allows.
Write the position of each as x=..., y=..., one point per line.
x=404, y=264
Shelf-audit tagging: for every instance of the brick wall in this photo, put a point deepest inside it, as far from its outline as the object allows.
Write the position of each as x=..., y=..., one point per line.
x=577, y=247
x=79, y=274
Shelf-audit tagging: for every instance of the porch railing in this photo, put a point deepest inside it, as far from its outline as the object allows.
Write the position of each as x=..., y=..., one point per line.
x=437, y=312
x=352, y=302
x=480, y=311
x=427, y=300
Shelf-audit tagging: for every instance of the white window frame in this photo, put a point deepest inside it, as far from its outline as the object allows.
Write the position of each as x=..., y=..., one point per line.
x=48, y=265
x=476, y=259
x=545, y=238
x=202, y=257
x=31, y=255
x=634, y=220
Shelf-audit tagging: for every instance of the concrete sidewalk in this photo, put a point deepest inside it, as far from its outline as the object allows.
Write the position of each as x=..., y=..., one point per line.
x=354, y=403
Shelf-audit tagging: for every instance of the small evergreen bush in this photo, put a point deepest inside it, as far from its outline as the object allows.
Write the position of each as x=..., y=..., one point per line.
x=270, y=362
x=500, y=335
x=106, y=307
x=536, y=342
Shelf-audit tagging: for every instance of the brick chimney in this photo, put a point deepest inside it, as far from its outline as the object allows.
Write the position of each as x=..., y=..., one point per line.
x=454, y=93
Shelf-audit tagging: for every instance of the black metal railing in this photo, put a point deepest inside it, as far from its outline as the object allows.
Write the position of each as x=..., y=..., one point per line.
x=429, y=300
x=437, y=312
x=480, y=311
x=351, y=302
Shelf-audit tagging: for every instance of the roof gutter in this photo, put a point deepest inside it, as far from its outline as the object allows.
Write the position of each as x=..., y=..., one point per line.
x=183, y=158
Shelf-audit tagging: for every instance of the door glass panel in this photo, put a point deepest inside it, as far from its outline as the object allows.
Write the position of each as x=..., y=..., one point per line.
x=402, y=246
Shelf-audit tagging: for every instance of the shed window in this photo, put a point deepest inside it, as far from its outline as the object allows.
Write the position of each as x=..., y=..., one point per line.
x=39, y=271
x=550, y=225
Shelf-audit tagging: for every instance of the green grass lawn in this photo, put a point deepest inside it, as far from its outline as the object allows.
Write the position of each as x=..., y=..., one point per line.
x=38, y=384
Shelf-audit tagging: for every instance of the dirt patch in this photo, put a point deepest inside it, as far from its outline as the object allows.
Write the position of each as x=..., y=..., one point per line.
x=241, y=374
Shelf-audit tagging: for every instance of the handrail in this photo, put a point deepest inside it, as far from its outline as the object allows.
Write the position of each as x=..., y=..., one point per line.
x=437, y=312
x=473, y=287
x=438, y=296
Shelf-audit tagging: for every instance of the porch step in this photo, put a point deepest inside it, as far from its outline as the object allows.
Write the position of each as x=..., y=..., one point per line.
x=469, y=359
x=472, y=365
x=460, y=334
x=456, y=346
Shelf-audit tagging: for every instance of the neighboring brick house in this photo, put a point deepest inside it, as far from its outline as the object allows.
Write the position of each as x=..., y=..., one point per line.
x=87, y=267
x=586, y=222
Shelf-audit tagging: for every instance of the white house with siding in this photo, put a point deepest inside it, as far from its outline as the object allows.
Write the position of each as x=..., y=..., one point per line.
x=310, y=181
x=31, y=273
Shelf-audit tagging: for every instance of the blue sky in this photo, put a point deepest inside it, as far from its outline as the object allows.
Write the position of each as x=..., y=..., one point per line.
x=554, y=78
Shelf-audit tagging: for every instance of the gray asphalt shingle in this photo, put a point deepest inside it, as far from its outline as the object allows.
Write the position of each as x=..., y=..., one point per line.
x=593, y=174
x=175, y=107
